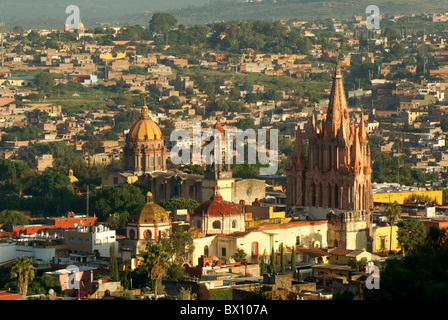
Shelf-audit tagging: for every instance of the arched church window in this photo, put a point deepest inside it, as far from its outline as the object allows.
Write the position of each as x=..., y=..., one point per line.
x=148, y=235
x=216, y=224
x=234, y=224
x=151, y=146
x=132, y=234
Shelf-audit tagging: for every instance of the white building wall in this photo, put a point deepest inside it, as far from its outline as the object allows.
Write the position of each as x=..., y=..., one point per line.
x=7, y=253
x=37, y=255
x=199, y=249
x=102, y=240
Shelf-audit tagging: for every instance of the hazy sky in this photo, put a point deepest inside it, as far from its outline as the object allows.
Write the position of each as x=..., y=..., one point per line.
x=52, y=11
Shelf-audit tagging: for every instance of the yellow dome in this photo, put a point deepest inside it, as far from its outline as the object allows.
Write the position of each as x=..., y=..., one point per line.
x=145, y=128
x=149, y=212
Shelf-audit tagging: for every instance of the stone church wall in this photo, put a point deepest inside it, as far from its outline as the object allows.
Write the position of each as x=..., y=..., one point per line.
x=249, y=190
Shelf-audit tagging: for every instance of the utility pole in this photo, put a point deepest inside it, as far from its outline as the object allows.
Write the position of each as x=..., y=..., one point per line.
x=87, y=204
x=2, y=29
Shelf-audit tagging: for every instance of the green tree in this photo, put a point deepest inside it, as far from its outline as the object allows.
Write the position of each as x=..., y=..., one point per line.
x=18, y=29
x=24, y=272
x=117, y=221
x=162, y=22
x=240, y=256
x=10, y=218
x=282, y=259
x=411, y=233
x=437, y=237
x=293, y=262
x=420, y=275
x=444, y=124
x=173, y=204
x=272, y=261
x=41, y=285
x=155, y=261
x=247, y=123
x=392, y=213
x=179, y=244
x=44, y=81
x=111, y=135
x=92, y=144
x=107, y=200
x=263, y=266
x=113, y=265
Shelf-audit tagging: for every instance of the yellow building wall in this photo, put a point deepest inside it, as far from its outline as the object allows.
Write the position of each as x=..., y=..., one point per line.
x=277, y=215
x=384, y=232
x=399, y=197
x=109, y=56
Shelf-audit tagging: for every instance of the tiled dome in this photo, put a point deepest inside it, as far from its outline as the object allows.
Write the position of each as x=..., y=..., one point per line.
x=145, y=128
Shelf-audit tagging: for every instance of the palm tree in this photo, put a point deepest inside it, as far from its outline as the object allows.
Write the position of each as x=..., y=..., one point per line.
x=24, y=271
x=155, y=262
x=392, y=213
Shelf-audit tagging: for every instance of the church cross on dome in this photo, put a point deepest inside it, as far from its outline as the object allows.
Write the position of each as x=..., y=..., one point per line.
x=145, y=109
x=216, y=196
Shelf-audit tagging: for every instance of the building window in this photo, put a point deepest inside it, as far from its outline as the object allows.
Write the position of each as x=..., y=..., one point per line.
x=71, y=240
x=254, y=248
x=80, y=241
x=234, y=224
x=298, y=240
x=148, y=235
x=223, y=252
x=198, y=224
x=115, y=180
x=216, y=224
x=382, y=243
x=132, y=234
x=206, y=251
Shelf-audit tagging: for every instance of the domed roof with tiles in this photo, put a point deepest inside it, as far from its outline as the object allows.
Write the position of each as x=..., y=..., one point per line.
x=145, y=128
x=149, y=212
x=217, y=206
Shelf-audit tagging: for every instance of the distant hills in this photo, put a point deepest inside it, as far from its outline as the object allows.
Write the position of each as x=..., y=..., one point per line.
x=51, y=13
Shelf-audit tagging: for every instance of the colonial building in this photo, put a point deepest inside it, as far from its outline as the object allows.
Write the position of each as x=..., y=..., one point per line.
x=145, y=149
x=258, y=242
x=217, y=216
x=147, y=222
x=334, y=181
x=145, y=162
x=337, y=173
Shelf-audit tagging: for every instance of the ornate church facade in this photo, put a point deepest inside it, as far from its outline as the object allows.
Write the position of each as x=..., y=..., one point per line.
x=336, y=174
x=145, y=162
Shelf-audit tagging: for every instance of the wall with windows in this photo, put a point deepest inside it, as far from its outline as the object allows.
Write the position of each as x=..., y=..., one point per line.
x=305, y=234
